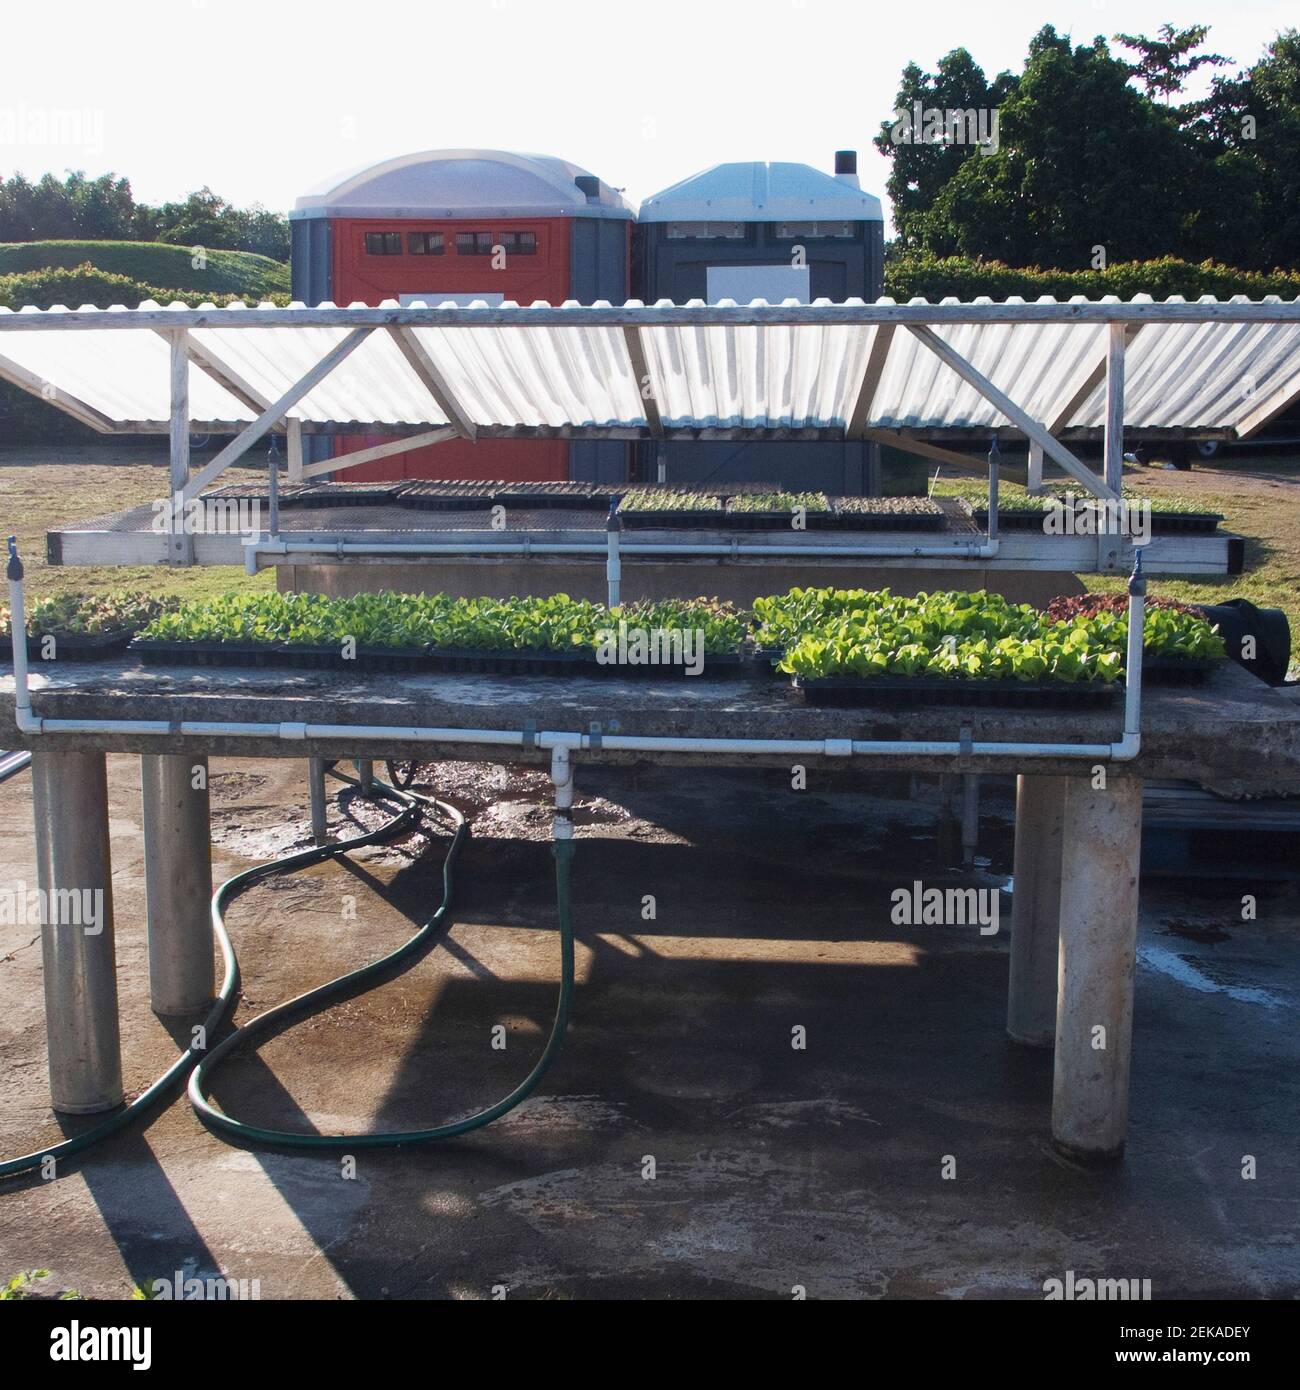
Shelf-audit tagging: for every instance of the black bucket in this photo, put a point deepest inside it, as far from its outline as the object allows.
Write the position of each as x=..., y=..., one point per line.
x=1238, y=619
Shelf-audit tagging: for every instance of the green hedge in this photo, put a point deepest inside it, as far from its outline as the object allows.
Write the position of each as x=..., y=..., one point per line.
x=153, y=263
x=934, y=278
x=87, y=284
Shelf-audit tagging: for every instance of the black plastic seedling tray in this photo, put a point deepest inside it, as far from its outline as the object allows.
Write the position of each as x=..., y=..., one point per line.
x=693, y=519
x=300, y=657
x=537, y=496
x=470, y=660
x=290, y=494
x=921, y=690
x=577, y=663
x=1173, y=670
x=68, y=646
x=777, y=521
x=350, y=494
x=880, y=521
x=1162, y=523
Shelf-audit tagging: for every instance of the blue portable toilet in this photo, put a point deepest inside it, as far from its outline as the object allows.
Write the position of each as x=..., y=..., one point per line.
x=762, y=231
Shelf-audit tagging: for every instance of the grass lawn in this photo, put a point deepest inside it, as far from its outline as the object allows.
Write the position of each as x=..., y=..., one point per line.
x=1259, y=498
x=43, y=487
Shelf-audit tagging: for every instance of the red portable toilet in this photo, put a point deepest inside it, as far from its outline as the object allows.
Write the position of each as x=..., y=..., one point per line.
x=465, y=225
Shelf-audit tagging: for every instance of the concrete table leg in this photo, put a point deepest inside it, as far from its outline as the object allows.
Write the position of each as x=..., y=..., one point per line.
x=319, y=805
x=75, y=878
x=366, y=776
x=1100, y=853
x=1036, y=911
x=178, y=882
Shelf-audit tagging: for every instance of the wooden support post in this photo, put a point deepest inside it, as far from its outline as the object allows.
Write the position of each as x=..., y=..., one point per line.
x=180, y=544
x=1035, y=484
x=1114, y=450
x=294, y=445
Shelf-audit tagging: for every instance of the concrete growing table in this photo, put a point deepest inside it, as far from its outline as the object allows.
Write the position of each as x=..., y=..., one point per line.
x=1078, y=823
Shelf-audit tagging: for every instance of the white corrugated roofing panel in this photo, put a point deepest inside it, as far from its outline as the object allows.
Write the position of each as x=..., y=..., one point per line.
x=713, y=367
x=125, y=376
x=374, y=383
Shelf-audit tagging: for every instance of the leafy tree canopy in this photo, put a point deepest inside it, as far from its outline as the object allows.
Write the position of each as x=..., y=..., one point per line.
x=104, y=209
x=1094, y=161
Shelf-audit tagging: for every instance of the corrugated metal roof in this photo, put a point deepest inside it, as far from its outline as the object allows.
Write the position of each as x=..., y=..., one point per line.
x=708, y=367
x=462, y=183
x=760, y=192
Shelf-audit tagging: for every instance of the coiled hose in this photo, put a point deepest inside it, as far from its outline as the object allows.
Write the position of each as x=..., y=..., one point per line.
x=200, y=1063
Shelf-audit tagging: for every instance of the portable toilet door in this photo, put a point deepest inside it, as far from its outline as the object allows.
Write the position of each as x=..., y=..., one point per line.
x=762, y=231
x=465, y=225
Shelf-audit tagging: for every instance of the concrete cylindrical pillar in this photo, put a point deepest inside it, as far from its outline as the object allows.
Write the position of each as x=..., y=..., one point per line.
x=319, y=805
x=75, y=878
x=366, y=776
x=1035, y=911
x=178, y=882
x=1101, y=843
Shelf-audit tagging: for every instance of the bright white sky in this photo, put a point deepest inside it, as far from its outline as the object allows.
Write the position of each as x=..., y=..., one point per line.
x=262, y=99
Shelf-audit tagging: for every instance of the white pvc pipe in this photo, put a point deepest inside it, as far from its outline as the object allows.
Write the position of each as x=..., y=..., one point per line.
x=253, y=550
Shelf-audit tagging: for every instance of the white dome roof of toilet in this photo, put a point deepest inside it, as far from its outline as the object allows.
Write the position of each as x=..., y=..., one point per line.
x=760, y=192
x=464, y=183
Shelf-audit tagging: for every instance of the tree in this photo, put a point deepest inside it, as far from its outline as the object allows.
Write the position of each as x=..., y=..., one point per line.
x=1083, y=161
x=918, y=169
x=1087, y=159
x=1168, y=61
x=104, y=209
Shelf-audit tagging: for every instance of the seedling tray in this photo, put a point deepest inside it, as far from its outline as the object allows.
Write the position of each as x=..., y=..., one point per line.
x=1174, y=670
x=693, y=519
x=288, y=654
x=471, y=660
x=879, y=521
x=1006, y=694
x=778, y=521
x=290, y=494
x=68, y=646
x=576, y=663
x=435, y=496
x=540, y=495
x=1162, y=523
x=349, y=494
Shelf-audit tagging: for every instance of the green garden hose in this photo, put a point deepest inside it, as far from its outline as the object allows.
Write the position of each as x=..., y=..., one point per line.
x=216, y=1016
x=314, y=1000
x=200, y=1063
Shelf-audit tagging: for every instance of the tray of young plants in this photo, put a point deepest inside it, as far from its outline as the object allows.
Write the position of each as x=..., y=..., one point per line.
x=350, y=494
x=472, y=495
x=260, y=491
x=770, y=511
x=884, y=514
x=537, y=496
x=433, y=632
x=855, y=647
x=667, y=508
x=450, y=495
x=84, y=627
x=1178, y=645
x=1017, y=510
